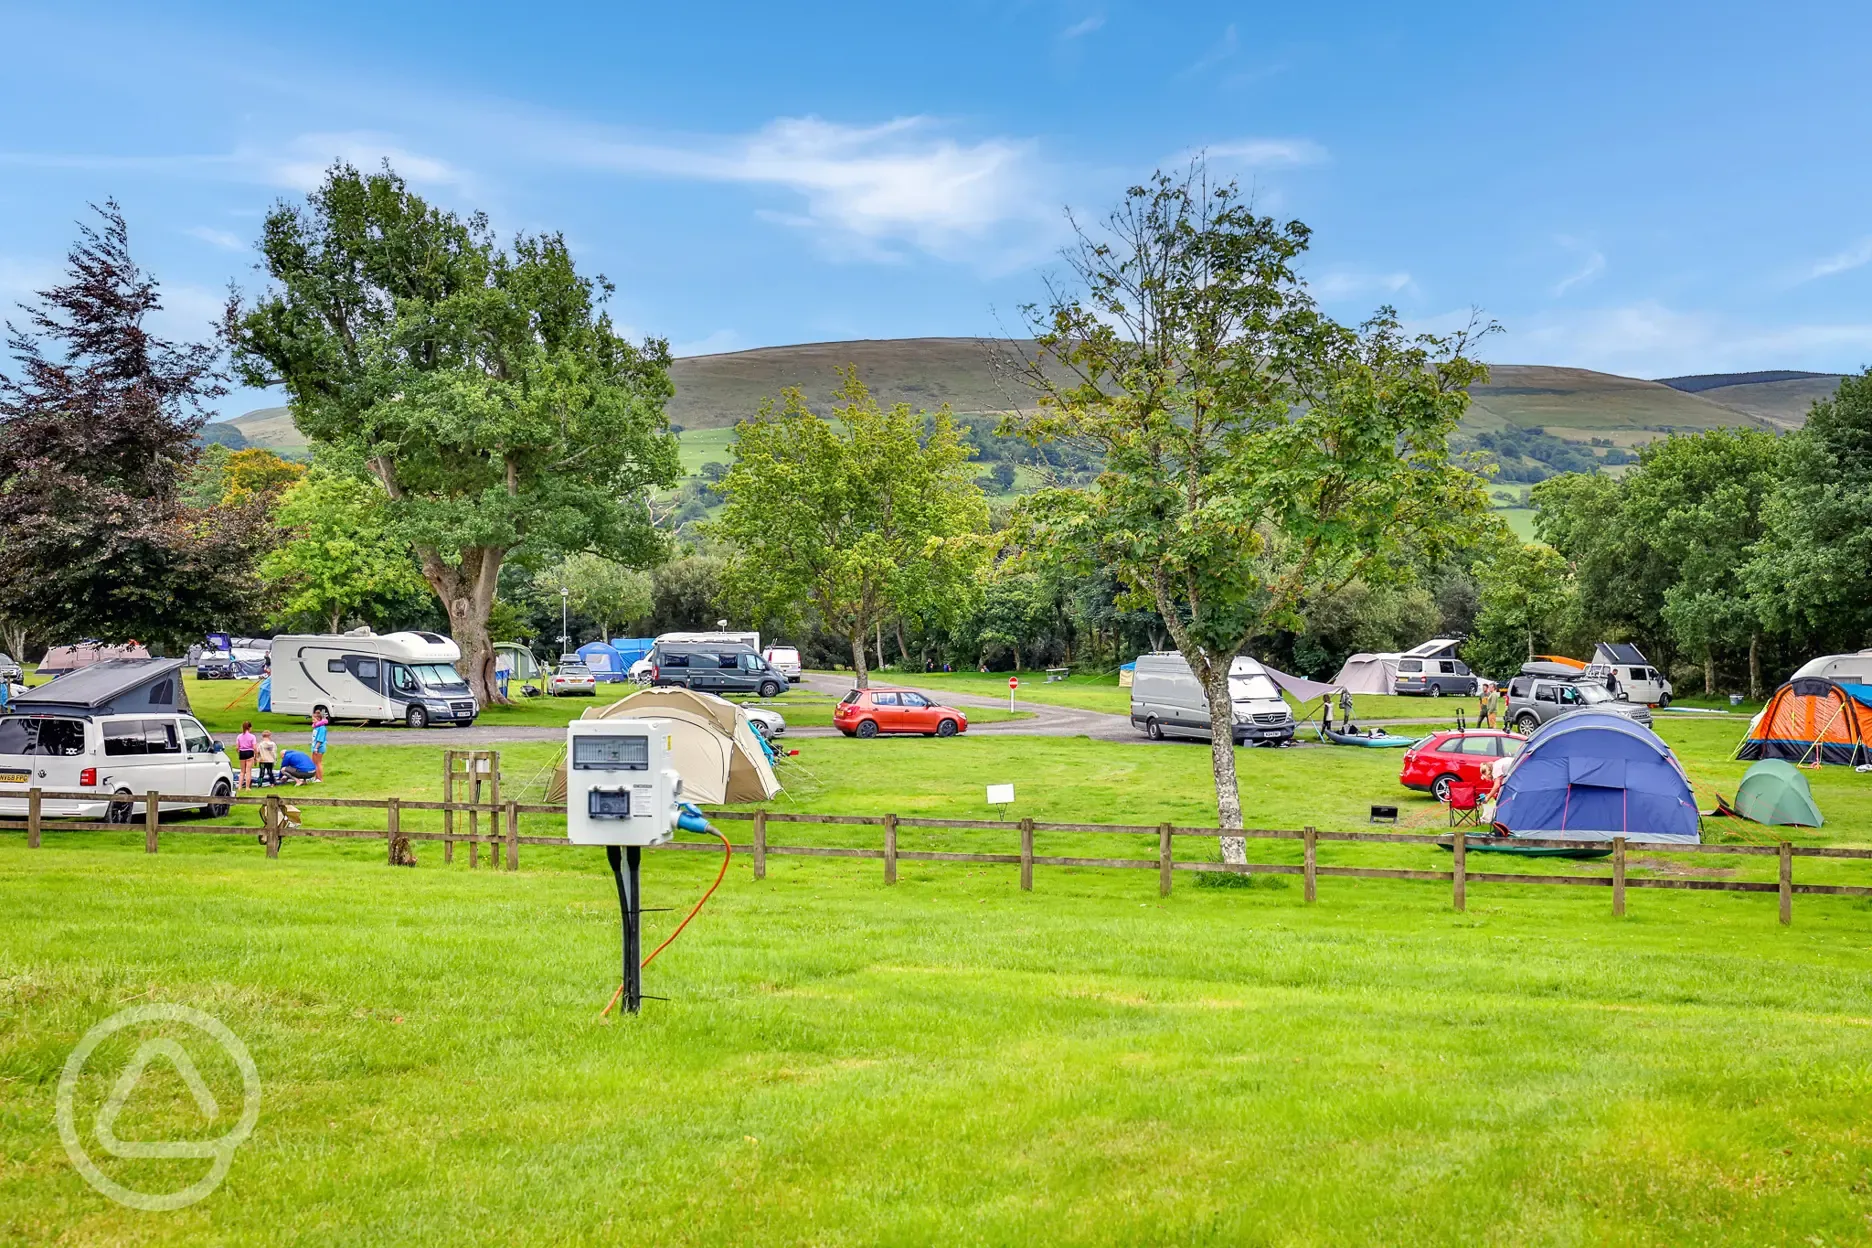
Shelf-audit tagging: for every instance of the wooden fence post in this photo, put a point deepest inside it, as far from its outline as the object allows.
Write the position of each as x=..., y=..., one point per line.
x=1459, y=877
x=474, y=816
x=1166, y=866
x=1310, y=861
x=272, y=816
x=890, y=849
x=448, y=802
x=32, y=819
x=760, y=844
x=1618, y=877
x=1787, y=883
x=513, y=834
x=393, y=826
x=152, y=813
x=1026, y=833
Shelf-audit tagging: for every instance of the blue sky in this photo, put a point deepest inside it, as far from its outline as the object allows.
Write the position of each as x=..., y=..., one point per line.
x=1642, y=188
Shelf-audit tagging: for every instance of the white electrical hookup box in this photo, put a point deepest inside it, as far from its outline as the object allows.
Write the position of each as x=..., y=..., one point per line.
x=620, y=787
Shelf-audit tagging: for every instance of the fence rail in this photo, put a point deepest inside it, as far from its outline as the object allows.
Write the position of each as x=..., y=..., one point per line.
x=276, y=827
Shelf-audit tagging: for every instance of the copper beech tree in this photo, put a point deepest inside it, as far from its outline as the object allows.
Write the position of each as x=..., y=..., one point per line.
x=1258, y=456
x=483, y=390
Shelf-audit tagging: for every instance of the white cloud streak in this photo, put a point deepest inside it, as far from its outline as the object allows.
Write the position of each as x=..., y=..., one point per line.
x=1857, y=256
x=1083, y=27
x=1649, y=339
x=217, y=238
x=1593, y=267
x=1354, y=283
x=1268, y=153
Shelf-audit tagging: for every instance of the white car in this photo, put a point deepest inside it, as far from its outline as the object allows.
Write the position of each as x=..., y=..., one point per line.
x=786, y=659
x=572, y=680
x=768, y=723
x=643, y=671
x=119, y=757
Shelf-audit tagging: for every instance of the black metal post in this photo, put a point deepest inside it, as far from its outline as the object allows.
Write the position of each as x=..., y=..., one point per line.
x=630, y=909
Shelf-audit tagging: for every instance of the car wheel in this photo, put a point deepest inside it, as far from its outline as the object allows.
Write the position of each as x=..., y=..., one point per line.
x=867, y=729
x=1440, y=786
x=1663, y=700
x=1153, y=729
x=946, y=729
x=122, y=809
x=769, y=689
x=216, y=809
x=758, y=727
x=1436, y=691
x=416, y=717
x=1527, y=724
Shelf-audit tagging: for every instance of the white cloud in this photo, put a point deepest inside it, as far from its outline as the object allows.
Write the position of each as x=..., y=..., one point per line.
x=218, y=238
x=1222, y=51
x=1355, y=283
x=1083, y=27
x=716, y=343
x=1649, y=339
x=1268, y=153
x=1593, y=267
x=897, y=181
x=302, y=166
x=1856, y=256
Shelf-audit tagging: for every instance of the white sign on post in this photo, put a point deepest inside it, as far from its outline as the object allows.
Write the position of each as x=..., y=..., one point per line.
x=1000, y=795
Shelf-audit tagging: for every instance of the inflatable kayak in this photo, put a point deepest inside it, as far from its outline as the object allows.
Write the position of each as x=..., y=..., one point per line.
x=1382, y=742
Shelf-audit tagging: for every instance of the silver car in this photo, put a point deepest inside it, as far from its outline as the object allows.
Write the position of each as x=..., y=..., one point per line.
x=1533, y=700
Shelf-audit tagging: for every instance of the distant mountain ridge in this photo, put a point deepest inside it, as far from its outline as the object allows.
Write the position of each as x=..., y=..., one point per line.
x=716, y=391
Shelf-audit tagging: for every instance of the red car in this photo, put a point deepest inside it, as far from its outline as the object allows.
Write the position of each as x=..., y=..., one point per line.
x=868, y=712
x=1447, y=758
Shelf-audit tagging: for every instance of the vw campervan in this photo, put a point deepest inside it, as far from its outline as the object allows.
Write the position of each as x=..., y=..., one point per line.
x=1167, y=701
x=399, y=676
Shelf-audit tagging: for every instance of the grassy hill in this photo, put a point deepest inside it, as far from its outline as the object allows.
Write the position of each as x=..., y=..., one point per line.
x=271, y=428
x=1780, y=398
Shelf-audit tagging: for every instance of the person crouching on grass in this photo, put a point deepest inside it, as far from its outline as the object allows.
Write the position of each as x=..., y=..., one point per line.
x=244, y=751
x=297, y=766
x=267, y=755
x=319, y=726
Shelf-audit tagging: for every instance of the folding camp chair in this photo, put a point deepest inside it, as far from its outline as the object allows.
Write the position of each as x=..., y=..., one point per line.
x=1465, y=805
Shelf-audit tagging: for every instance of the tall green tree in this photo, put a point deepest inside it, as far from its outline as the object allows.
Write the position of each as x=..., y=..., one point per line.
x=1525, y=589
x=870, y=517
x=484, y=390
x=340, y=559
x=603, y=590
x=1257, y=455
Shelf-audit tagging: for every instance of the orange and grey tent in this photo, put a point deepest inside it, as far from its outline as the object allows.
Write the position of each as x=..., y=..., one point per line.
x=1813, y=720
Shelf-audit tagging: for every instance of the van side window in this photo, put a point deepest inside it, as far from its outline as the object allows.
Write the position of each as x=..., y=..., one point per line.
x=159, y=737
x=123, y=737
x=671, y=658
x=334, y=665
x=401, y=680
x=163, y=693
x=196, y=738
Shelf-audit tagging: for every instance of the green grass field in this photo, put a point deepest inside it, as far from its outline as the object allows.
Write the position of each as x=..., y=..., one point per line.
x=950, y=1059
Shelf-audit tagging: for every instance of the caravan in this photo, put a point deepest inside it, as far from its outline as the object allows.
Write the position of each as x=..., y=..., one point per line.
x=399, y=676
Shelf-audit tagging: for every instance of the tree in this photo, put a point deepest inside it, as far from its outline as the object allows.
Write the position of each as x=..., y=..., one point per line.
x=1257, y=456
x=604, y=591
x=1015, y=610
x=686, y=594
x=1810, y=572
x=1524, y=588
x=97, y=435
x=868, y=518
x=340, y=558
x=484, y=390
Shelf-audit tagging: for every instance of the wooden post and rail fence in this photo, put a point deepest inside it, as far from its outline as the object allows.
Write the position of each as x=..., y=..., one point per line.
x=503, y=830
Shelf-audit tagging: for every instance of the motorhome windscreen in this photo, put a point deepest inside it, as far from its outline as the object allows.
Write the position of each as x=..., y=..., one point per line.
x=1252, y=687
x=438, y=676
x=611, y=754
x=41, y=737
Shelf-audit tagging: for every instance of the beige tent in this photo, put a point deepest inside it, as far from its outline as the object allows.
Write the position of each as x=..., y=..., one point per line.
x=715, y=748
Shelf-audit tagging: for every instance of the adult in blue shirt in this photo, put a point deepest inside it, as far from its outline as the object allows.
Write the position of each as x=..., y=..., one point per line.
x=297, y=766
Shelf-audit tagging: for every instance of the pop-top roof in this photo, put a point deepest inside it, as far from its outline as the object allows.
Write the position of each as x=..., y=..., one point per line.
x=102, y=686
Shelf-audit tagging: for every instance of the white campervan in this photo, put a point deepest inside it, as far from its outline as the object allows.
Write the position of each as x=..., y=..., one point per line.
x=399, y=676
x=1167, y=701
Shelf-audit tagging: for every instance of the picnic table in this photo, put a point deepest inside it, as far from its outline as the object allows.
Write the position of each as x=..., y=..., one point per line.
x=1057, y=673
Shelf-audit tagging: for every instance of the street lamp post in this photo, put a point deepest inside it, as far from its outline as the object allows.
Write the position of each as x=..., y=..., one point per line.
x=565, y=618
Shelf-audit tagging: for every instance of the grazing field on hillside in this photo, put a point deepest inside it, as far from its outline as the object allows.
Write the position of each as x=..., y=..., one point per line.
x=950, y=1059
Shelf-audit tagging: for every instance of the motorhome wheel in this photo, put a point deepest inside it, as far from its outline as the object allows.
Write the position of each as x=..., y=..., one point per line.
x=417, y=717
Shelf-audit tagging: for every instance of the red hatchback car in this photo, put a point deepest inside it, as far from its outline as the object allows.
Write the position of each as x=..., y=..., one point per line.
x=868, y=712
x=1447, y=758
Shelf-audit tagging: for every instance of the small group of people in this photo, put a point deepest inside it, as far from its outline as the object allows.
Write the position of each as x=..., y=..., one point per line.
x=278, y=766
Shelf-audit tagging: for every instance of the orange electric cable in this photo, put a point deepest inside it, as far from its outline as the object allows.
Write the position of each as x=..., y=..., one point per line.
x=727, y=856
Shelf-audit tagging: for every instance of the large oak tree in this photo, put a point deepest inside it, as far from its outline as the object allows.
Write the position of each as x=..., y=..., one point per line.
x=484, y=390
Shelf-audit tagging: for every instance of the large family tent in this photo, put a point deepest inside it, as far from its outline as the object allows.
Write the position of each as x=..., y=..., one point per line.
x=712, y=746
x=1812, y=719
x=1373, y=673
x=604, y=661
x=62, y=659
x=1774, y=792
x=1593, y=775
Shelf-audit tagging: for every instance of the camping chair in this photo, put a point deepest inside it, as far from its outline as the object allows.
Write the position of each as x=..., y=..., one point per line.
x=1465, y=805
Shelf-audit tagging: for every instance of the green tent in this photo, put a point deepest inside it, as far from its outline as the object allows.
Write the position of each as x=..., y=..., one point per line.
x=1775, y=792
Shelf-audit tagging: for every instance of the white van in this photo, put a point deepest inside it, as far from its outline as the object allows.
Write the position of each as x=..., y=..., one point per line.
x=1167, y=701
x=786, y=659
x=399, y=676
x=120, y=757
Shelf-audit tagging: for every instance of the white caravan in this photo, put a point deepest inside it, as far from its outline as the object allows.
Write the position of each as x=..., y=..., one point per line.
x=409, y=677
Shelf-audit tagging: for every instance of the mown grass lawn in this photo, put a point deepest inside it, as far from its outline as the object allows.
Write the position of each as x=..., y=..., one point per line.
x=950, y=1059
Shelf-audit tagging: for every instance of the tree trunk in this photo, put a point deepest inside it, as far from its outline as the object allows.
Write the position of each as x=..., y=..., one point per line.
x=1709, y=672
x=1530, y=643
x=878, y=625
x=1222, y=759
x=861, y=677
x=337, y=618
x=903, y=651
x=466, y=591
x=15, y=637
x=1015, y=647
x=1755, y=667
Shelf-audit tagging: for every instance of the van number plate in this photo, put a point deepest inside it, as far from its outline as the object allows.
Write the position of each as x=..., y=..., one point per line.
x=14, y=777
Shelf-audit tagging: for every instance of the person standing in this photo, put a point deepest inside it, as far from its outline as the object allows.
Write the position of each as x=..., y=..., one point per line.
x=244, y=746
x=319, y=728
x=267, y=754
x=1485, y=712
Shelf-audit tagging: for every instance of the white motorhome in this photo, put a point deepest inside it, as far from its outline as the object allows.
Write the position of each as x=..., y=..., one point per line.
x=1846, y=669
x=1167, y=701
x=409, y=677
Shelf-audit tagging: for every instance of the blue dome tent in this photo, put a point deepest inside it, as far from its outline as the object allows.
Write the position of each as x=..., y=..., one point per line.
x=604, y=661
x=1593, y=775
